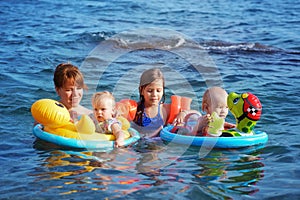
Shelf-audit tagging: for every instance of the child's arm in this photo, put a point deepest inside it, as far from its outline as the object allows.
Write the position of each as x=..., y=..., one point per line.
x=118, y=133
x=228, y=125
x=180, y=118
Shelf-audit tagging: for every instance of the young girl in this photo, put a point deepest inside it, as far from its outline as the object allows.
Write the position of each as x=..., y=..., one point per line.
x=69, y=85
x=152, y=113
x=104, y=114
x=214, y=100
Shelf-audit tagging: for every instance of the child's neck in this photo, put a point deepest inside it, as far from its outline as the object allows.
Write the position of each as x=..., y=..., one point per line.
x=151, y=110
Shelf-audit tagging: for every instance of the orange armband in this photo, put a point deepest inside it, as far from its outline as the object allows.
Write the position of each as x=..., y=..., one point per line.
x=178, y=104
x=174, y=108
x=127, y=108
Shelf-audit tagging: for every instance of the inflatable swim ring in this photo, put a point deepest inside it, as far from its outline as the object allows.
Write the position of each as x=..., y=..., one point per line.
x=103, y=142
x=217, y=142
x=246, y=109
x=55, y=127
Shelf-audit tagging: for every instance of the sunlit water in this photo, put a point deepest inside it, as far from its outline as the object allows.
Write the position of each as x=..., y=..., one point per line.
x=243, y=46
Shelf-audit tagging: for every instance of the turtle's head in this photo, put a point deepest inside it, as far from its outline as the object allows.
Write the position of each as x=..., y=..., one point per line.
x=244, y=106
x=235, y=104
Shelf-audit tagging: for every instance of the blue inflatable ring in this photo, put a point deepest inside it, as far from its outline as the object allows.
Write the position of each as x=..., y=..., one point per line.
x=259, y=138
x=82, y=144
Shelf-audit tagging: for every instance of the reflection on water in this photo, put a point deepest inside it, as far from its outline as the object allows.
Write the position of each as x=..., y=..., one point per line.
x=70, y=169
x=224, y=173
x=150, y=165
x=68, y=172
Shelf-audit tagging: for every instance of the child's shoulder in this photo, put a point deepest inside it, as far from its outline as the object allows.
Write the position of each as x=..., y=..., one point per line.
x=166, y=106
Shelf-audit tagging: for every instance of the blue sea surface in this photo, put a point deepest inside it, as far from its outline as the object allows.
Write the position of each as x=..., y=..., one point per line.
x=244, y=46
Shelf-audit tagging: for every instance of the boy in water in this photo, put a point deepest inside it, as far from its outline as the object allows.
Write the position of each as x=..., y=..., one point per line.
x=214, y=100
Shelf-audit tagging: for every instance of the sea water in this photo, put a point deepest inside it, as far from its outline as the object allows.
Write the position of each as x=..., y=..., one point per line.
x=243, y=46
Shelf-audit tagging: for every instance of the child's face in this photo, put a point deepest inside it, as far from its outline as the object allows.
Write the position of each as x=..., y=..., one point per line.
x=70, y=94
x=153, y=92
x=103, y=110
x=219, y=105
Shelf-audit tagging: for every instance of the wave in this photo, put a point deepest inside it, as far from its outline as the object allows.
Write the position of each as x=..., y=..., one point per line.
x=93, y=37
x=150, y=38
x=165, y=39
x=217, y=45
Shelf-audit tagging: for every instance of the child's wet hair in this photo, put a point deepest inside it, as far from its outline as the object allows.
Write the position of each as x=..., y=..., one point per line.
x=147, y=78
x=99, y=96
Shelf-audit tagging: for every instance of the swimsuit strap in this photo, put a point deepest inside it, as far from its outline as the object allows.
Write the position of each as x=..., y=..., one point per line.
x=158, y=113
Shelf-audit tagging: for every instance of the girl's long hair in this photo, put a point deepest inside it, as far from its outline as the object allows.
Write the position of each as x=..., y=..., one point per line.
x=147, y=77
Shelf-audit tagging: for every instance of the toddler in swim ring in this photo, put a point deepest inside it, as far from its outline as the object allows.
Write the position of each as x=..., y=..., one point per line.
x=214, y=100
x=105, y=116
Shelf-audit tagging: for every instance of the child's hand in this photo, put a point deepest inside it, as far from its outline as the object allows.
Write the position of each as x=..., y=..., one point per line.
x=119, y=135
x=204, y=122
x=119, y=139
x=119, y=143
x=179, y=119
x=74, y=116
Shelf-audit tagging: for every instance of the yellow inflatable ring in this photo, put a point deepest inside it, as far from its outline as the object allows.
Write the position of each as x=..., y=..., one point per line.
x=55, y=127
x=50, y=113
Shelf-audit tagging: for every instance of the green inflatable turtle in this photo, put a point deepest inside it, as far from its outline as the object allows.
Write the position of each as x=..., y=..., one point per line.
x=247, y=110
